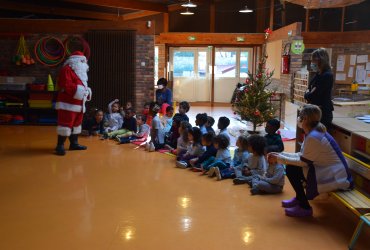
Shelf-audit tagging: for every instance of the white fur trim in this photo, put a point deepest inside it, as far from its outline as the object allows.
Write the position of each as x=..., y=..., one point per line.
x=63, y=131
x=68, y=107
x=80, y=92
x=77, y=130
x=89, y=95
x=77, y=56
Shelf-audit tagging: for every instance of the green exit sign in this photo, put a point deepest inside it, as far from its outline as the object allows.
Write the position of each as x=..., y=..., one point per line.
x=240, y=39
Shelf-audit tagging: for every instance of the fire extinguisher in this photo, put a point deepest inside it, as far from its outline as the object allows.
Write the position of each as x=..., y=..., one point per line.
x=285, y=60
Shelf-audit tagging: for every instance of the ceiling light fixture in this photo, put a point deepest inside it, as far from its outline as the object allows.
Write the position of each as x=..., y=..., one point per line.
x=189, y=4
x=187, y=12
x=246, y=10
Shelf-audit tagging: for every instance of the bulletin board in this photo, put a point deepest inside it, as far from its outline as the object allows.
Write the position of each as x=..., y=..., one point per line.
x=273, y=62
x=350, y=68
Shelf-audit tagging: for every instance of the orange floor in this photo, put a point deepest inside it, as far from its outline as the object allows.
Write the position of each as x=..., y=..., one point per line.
x=118, y=197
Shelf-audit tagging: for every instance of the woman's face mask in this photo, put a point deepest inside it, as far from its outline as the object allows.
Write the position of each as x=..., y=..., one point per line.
x=314, y=67
x=160, y=86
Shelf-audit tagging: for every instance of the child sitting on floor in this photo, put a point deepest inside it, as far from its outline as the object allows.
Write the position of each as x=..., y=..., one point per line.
x=222, y=159
x=123, y=110
x=223, y=123
x=181, y=116
x=200, y=121
x=195, y=150
x=141, y=135
x=273, y=181
x=256, y=161
x=146, y=112
x=182, y=143
x=156, y=132
x=94, y=125
x=210, y=123
x=128, y=129
x=167, y=119
x=129, y=121
x=241, y=155
x=211, y=151
x=115, y=118
x=273, y=140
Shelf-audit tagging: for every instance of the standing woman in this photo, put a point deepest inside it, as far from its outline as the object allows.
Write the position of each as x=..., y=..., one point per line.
x=163, y=95
x=319, y=90
x=319, y=167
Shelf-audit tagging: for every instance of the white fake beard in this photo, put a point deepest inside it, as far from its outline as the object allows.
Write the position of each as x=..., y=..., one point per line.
x=80, y=68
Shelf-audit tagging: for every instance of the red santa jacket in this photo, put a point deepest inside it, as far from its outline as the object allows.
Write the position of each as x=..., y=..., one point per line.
x=73, y=93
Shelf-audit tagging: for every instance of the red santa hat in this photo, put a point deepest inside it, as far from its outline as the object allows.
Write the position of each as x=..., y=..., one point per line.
x=77, y=54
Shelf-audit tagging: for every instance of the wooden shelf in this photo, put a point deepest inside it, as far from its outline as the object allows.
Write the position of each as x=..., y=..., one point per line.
x=367, y=156
x=304, y=85
x=30, y=114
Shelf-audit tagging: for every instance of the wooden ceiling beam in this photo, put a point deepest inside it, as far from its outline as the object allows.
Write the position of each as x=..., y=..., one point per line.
x=58, y=11
x=28, y=26
x=138, y=14
x=126, y=4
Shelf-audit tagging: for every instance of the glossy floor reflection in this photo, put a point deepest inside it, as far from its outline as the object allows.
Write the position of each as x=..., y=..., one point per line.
x=118, y=197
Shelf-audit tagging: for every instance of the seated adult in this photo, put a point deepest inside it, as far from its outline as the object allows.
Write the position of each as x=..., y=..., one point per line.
x=163, y=95
x=319, y=167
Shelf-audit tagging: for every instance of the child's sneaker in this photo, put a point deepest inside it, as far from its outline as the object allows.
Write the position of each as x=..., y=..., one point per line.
x=104, y=136
x=151, y=147
x=255, y=191
x=211, y=172
x=181, y=164
x=196, y=169
x=204, y=172
x=238, y=181
x=147, y=146
x=218, y=173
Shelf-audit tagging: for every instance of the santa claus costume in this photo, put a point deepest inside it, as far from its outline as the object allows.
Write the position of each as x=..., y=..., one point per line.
x=72, y=96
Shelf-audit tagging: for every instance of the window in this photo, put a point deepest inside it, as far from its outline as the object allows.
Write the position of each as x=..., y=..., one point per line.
x=244, y=64
x=225, y=65
x=202, y=64
x=183, y=63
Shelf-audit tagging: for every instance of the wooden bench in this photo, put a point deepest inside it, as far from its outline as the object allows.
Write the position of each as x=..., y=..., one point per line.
x=356, y=200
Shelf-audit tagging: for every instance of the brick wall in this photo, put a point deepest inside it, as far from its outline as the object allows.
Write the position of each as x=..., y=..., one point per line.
x=8, y=47
x=144, y=89
x=161, y=60
x=144, y=74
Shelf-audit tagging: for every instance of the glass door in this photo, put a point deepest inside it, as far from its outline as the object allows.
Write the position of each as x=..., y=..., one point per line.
x=190, y=74
x=231, y=67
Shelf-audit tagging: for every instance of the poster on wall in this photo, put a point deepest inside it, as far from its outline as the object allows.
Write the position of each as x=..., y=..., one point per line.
x=341, y=61
x=362, y=59
x=350, y=71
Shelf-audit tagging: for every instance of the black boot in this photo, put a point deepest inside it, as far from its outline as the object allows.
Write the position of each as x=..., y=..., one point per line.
x=59, y=150
x=73, y=139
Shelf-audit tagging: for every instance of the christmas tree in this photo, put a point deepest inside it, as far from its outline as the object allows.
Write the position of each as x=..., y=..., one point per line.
x=253, y=99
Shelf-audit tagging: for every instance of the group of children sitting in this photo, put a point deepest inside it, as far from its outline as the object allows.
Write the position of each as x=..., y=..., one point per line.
x=198, y=148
